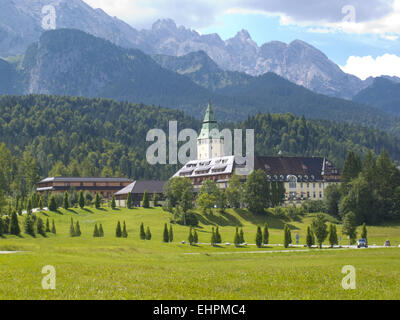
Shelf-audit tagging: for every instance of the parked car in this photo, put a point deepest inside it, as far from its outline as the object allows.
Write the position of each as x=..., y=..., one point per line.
x=387, y=243
x=362, y=243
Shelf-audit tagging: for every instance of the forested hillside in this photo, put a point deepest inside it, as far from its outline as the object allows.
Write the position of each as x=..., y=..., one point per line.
x=50, y=135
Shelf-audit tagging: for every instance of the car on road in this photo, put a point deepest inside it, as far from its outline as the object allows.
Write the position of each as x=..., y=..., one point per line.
x=362, y=243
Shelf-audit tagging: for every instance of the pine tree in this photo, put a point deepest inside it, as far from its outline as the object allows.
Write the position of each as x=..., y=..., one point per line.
x=145, y=202
x=113, y=204
x=166, y=235
x=7, y=223
x=142, y=232
x=129, y=201
x=259, y=237
x=1, y=226
x=333, y=239
x=96, y=231
x=66, y=201
x=241, y=236
x=124, y=232
x=190, y=238
x=40, y=227
x=118, y=232
x=218, y=237
x=286, y=241
x=53, y=228
x=97, y=201
x=364, y=232
x=40, y=204
x=78, y=232
x=236, y=239
x=213, y=238
x=266, y=234
x=47, y=225
x=81, y=200
x=29, y=206
x=171, y=234
x=29, y=225
x=72, y=229
x=52, y=203
x=14, y=225
x=148, y=234
x=101, y=231
x=195, y=237
x=155, y=199
x=309, y=237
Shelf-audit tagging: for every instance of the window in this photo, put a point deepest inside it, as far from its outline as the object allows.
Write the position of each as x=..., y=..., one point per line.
x=292, y=182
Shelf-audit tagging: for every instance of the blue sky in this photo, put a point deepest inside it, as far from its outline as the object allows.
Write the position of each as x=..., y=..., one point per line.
x=362, y=36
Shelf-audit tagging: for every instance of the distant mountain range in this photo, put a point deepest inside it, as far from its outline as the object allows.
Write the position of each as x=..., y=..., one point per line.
x=74, y=63
x=298, y=62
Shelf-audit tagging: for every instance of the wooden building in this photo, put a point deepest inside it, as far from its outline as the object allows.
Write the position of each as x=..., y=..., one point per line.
x=106, y=187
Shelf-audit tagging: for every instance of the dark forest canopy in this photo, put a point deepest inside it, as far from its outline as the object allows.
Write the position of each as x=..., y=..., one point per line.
x=52, y=135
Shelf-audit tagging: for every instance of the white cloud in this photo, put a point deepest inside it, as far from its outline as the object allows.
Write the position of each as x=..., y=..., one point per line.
x=377, y=16
x=364, y=67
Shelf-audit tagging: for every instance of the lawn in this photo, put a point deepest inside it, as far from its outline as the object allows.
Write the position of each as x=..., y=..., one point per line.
x=113, y=268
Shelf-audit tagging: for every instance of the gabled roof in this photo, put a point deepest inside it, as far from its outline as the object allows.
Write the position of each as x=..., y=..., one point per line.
x=138, y=187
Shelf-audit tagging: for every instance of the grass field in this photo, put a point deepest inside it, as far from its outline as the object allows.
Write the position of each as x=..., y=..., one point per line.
x=113, y=268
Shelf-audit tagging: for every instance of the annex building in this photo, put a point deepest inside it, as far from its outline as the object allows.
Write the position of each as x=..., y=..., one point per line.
x=304, y=177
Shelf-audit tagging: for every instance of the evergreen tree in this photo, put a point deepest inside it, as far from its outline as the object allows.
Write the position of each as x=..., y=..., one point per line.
x=7, y=223
x=333, y=238
x=97, y=201
x=101, y=231
x=53, y=228
x=218, y=237
x=320, y=229
x=52, y=203
x=195, y=237
x=236, y=239
x=213, y=238
x=148, y=234
x=349, y=227
x=113, y=204
x=266, y=234
x=241, y=236
x=364, y=233
x=118, y=232
x=124, y=231
x=72, y=229
x=47, y=224
x=309, y=237
x=1, y=226
x=29, y=225
x=40, y=204
x=286, y=240
x=78, y=232
x=259, y=237
x=166, y=235
x=81, y=200
x=129, y=201
x=96, y=231
x=142, y=232
x=40, y=227
x=190, y=238
x=14, y=225
x=155, y=199
x=145, y=201
x=171, y=234
x=66, y=201
x=29, y=206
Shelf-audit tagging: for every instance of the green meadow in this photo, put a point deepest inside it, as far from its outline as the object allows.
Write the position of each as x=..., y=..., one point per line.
x=118, y=268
